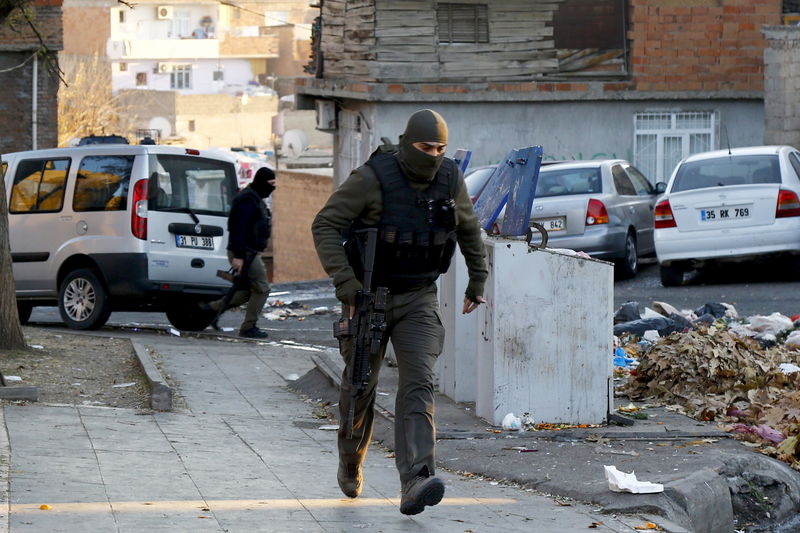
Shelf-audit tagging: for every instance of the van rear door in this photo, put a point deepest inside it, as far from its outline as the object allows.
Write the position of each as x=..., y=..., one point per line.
x=189, y=198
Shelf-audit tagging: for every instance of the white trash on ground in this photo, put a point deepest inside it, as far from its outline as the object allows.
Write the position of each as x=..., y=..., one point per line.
x=789, y=368
x=511, y=422
x=624, y=482
x=771, y=324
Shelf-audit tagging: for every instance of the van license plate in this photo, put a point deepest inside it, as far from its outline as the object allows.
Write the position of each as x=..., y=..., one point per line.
x=724, y=213
x=193, y=241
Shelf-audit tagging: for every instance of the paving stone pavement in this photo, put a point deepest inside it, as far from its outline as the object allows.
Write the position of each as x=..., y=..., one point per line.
x=240, y=453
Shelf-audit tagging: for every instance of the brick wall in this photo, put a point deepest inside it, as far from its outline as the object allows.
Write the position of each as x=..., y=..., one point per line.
x=17, y=47
x=77, y=19
x=699, y=45
x=296, y=201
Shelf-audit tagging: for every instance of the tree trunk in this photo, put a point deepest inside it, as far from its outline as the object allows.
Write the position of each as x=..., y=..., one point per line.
x=10, y=330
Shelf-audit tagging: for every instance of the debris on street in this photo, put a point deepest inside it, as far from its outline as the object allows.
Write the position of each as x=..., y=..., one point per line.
x=715, y=366
x=285, y=310
x=624, y=482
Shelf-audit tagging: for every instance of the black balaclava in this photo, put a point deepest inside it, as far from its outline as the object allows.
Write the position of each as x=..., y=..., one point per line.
x=425, y=125
x=261, y=183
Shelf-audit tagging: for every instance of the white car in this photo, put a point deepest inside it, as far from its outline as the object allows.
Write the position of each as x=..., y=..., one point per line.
x=729, y=205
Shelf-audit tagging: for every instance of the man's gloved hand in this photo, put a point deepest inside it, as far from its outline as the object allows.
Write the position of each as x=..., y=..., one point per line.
x=346, y=292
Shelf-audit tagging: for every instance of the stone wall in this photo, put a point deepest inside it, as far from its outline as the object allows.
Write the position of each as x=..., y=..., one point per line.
x=299, y=196
x=782, y=81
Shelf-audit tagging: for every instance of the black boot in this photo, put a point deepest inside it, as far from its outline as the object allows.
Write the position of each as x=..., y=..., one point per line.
x=422, y=491
x=350, y=479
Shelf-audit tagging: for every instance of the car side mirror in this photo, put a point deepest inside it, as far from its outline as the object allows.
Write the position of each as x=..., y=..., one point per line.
x=661, y=187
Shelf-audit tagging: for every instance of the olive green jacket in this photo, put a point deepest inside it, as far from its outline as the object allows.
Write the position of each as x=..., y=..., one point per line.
x=359, y=197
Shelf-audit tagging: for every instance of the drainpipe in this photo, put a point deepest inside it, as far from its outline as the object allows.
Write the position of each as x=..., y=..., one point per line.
x=35, y=101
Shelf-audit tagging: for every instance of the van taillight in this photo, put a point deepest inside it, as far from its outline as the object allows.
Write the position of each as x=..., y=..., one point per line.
x=139, y=210
x=596, y=213
x=662, y=216
x=788, y=204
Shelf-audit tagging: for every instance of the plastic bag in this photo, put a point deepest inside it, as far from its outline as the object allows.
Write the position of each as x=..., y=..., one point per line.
x=512, y=422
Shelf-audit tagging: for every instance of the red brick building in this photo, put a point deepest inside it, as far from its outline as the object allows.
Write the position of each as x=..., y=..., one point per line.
x=28, y=103
x=651, y=81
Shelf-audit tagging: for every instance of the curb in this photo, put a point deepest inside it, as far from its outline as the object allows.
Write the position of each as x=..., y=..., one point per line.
x=160, y=392
x=5, y=475
x=698, y=502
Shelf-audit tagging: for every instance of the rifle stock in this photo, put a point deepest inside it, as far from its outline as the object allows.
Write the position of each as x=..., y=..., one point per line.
x=366, y=327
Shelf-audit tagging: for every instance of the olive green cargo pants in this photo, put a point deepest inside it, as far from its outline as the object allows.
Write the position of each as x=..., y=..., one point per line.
x=256, y=295
x=415, y=329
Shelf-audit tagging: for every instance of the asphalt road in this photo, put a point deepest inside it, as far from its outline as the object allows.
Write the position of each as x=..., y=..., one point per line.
x=756, y=288
x=753, y=288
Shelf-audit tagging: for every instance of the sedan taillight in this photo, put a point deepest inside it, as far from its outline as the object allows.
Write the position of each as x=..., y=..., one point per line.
x=596, y=213
x=139, y=210
x=788, y=204
x=662, y=216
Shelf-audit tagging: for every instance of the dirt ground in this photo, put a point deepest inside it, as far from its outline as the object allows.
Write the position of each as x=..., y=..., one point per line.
x=77, y=369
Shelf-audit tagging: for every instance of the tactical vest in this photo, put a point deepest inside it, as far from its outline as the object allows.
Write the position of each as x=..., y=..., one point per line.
x=416, y=230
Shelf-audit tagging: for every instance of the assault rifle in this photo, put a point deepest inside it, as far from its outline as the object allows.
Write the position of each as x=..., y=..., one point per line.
x=365, y=328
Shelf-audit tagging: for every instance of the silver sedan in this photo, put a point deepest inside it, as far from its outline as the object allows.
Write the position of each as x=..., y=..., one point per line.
x=603, y=208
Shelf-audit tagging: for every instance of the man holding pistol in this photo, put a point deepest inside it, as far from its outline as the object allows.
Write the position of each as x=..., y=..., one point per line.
x=417, y=200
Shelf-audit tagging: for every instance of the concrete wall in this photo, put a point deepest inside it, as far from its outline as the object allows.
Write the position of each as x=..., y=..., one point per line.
x=299, y=196
x=565, y=130
x=782, y=80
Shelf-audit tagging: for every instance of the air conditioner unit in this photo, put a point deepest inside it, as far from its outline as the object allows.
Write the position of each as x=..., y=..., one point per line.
x=326, y=115
x=162, y=68
x=164, y=12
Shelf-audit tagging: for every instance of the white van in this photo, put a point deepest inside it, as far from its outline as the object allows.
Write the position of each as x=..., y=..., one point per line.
x=101, y=228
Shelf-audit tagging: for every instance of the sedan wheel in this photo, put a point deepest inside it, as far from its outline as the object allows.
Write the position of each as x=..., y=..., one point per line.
x=83, y=300
x=628, y=266
x=671, y=275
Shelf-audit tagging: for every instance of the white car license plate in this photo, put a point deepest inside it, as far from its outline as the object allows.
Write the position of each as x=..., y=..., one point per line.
x=194, y=241
x=552, y=224
x=724, y=213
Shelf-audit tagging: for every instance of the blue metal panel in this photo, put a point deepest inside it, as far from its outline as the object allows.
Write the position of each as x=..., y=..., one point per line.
x=494, y=196
x=462, y=157
x=523, y=187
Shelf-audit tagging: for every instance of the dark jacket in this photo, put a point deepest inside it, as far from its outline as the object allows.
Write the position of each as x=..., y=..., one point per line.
x=249, y=223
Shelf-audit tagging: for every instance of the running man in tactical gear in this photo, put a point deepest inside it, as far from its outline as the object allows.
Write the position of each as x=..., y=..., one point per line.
x=249, y=228
x=417, y=200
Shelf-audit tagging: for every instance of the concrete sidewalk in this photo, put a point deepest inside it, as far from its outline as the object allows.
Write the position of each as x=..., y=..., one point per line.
x=239, y=452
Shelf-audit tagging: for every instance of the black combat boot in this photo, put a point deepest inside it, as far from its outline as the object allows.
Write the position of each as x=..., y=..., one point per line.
x=350, y=479
x=422, y=491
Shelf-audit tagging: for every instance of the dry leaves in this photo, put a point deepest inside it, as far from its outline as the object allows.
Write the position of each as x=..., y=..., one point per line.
x=711, y=373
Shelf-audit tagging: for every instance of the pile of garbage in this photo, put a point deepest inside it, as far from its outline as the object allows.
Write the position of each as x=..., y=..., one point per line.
x=284, y=310
x=714, y=366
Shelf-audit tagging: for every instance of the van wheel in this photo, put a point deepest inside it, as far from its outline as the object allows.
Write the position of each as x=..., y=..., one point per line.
x=671, y=275
x=628, y=266
x=186, y=315
x=83, y=300
x=24, y=310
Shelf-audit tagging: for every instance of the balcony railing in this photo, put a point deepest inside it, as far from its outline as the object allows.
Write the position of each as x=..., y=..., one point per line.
x=164, y=49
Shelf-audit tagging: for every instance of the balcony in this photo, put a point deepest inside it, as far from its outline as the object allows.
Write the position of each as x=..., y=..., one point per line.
x=164, y=49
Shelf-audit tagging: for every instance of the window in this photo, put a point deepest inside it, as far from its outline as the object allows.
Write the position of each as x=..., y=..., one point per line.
x=121, y=16
x=141, y=79
x=180, y=24
x=463, y=23
x=39, y=186
x=219, y=75
x=102, y=183
x=622, y=182
x=191, y=125
x=569, y=181
x=640, y=183
x=177, y=182
x=180, y=77
x=662, y=139
x=123, y=67
x=793, y=159
x=726, y=171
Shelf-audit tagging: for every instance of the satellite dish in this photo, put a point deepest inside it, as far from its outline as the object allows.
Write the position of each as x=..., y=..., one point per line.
x=163, y=125
x=295, y=142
